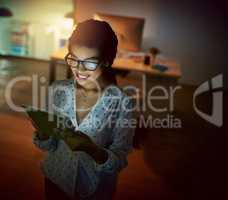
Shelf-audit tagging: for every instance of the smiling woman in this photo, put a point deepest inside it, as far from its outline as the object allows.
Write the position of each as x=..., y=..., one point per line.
x=87, y=166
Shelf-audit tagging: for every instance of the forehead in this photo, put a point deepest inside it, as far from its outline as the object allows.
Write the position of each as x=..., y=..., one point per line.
x=83, y=52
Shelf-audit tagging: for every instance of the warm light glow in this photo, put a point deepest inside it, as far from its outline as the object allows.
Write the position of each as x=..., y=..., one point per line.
x=67, y=23
x=96, y=17
x=74, y=27
x=50, y=29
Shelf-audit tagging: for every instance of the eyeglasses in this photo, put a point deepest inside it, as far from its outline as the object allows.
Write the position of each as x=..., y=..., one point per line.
x=74, y=63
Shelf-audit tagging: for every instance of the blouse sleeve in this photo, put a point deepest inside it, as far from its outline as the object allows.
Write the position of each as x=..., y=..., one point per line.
x=51, y=143
x=45, y=145
x=123, y=138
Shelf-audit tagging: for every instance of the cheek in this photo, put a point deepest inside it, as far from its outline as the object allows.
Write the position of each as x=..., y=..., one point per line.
x=96, y=73
x=74, y=71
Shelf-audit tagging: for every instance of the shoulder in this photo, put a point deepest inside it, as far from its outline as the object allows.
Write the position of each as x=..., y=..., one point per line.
x=65, y=82
x=61, y=91
x=65, y=87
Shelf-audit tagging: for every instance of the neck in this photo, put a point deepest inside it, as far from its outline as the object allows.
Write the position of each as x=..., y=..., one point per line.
x=105, y=80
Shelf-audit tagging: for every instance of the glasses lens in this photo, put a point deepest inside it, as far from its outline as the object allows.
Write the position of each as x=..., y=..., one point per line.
x=90, y=65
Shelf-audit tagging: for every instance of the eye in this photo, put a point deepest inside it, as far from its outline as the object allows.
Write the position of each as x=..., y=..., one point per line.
x=90, y=65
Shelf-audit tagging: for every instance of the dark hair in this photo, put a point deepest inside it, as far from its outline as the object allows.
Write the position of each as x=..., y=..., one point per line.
x=96, y=34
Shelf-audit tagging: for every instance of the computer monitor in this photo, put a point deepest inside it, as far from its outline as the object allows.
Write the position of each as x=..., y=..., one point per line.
x=129, y=30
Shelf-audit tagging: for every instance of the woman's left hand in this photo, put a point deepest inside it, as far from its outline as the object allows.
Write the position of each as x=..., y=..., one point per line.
x=78, y=141
x=81, y=142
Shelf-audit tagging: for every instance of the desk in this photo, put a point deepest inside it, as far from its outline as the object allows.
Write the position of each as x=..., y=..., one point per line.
x=127, y=64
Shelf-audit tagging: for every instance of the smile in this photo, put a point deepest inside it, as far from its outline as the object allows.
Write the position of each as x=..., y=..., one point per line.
x=80, y=76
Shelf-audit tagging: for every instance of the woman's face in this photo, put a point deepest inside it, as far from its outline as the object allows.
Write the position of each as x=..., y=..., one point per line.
x=83, y=76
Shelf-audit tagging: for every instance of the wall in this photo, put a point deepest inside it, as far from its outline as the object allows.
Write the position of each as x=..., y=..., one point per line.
x=190, y=31
x=45, y=18
x=38, y=11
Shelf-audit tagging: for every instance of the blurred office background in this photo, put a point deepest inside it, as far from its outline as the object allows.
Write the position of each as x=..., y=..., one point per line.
x=186, y=163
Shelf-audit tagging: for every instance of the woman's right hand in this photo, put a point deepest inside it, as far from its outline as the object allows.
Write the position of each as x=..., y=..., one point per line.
x=41, y=136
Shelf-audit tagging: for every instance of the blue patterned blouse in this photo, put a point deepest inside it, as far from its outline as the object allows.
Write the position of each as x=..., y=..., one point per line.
x=107, y=124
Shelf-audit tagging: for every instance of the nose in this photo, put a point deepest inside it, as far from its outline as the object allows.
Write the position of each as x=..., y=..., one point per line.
x=81, y=67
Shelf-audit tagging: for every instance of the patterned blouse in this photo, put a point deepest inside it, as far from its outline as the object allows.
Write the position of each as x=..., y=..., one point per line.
x=107, y=124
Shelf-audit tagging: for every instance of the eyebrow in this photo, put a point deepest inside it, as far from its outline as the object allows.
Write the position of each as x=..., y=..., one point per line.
x=90, y=58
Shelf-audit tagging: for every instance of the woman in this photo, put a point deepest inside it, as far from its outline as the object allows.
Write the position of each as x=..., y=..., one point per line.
x=86, y=163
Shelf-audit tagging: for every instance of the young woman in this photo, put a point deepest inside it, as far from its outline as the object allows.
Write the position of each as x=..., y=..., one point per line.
x=86, y=165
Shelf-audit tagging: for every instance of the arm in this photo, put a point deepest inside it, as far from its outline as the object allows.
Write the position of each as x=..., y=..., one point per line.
x=114, y=157
x=122, y=143
x=39, y=139
x=45, y=144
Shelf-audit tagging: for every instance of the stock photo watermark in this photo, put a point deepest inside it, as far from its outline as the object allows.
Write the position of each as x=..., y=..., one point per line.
x=214, y=86
x=61, y=100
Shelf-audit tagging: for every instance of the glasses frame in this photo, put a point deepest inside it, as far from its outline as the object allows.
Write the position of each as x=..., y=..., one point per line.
x=81, y=62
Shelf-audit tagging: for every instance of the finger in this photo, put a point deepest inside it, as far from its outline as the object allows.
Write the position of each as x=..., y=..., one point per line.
x=79, y=137
x=81, y=133
x=33, y=123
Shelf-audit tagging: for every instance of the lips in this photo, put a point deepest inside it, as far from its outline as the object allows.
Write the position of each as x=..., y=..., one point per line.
x=81, y=76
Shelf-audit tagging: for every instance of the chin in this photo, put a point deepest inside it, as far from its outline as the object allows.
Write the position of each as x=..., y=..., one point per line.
x=84, y=83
